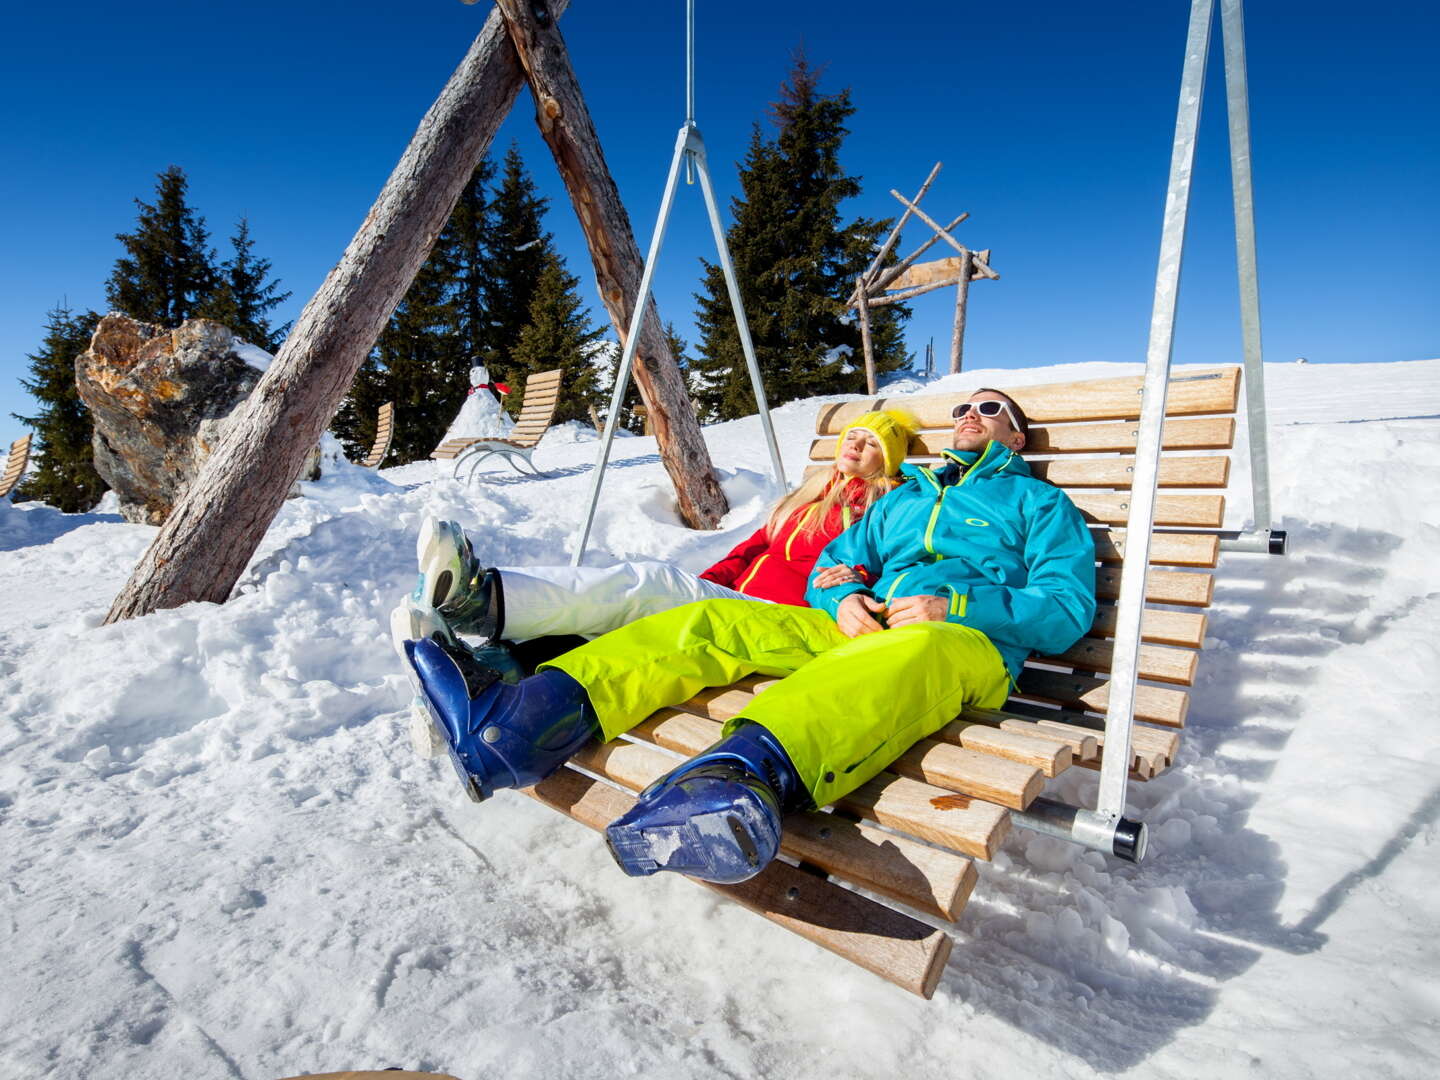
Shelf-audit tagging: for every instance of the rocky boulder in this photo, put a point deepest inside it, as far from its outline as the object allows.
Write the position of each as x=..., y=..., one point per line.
x=160, y=400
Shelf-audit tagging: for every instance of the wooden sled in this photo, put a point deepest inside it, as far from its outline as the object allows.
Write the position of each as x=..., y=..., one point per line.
x=908, y=838
x=15, y=464
x=542, y=392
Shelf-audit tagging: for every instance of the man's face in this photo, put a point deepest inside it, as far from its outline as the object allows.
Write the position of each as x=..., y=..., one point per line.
x=973, y=431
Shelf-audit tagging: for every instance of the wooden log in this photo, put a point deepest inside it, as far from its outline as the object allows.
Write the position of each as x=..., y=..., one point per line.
x=217, y=524
x=863, y=307
x=937, y=271
x=909, y=294
x=925, y=878
x=894, y=946
x=962, y=293
x=880, y=284
x=566, y=126
x=1212, y=390
x=886, y=247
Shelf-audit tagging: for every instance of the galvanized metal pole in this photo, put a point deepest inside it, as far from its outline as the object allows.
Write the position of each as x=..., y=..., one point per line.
x=1115, y=770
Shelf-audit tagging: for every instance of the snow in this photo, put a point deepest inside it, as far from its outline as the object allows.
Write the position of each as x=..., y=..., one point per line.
x=221, y=857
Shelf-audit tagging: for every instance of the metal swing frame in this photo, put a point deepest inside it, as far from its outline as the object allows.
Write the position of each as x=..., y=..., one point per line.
x=690, y=148
x=1106, y=828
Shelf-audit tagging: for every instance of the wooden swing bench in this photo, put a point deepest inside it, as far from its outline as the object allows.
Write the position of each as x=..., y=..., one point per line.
x=542, y=394
x=384, y=434
x=907, y=839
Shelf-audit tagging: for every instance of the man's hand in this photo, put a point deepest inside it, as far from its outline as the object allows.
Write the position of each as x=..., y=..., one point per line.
x=835, y=575
x=916, y=609
x=855, y=615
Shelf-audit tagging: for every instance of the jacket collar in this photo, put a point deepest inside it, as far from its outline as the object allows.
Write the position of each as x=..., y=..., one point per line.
x=968, y=465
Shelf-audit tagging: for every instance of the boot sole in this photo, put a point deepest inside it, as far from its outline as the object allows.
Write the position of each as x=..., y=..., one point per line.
x=438, y=551
x=715, y=847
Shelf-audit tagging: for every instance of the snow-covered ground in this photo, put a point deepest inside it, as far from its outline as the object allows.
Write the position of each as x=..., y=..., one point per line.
x=221, y=857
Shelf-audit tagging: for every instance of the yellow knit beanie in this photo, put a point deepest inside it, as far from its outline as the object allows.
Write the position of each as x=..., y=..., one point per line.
x=892, y=427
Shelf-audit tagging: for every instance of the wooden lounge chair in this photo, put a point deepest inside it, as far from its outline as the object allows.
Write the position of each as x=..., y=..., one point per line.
x=384, y=432
x=542, y=391
x=15, y=465
x=910, y=836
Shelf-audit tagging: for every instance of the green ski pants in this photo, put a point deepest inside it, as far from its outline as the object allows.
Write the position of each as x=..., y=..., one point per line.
x=849, y=707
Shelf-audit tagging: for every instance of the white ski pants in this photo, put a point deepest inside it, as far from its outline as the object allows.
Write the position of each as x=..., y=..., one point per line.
x=544, y=600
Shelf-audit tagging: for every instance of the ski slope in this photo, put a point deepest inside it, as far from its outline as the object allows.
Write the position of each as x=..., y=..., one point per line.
x=221, y=858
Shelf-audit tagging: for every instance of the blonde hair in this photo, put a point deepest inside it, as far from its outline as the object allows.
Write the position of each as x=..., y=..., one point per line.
x=822, y=501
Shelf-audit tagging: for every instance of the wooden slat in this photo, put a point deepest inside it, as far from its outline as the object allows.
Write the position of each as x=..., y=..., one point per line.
x=894, y=946
x=1190, y=393
x=1200, y=433
x=1156, y=662
x=1194, y=511
x=1082, y=745
x=1050, y=756
x=973, y=827
x=1166, y=548
x=1161, y=586
x=1157, y=625
x=1155, y=742
x=924, y=877
x=1118, y=472
x=1156, y=704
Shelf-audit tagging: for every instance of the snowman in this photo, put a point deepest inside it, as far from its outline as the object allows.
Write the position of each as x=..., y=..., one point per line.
x=481, y=417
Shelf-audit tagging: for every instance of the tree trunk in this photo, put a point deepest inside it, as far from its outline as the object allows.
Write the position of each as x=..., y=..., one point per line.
x=565, y=123
x=216, y=527
x=962, y=293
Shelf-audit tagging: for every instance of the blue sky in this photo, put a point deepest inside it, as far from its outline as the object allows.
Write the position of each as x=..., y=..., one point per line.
x=1053, y=119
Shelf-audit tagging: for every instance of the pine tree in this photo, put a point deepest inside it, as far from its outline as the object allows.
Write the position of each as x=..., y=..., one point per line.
x=414, y=364
x=795, y=264
x=467, y=237
x=559, y=335
x=170, y=269
x=242, y=297
x=519, y=250
x=65, y=475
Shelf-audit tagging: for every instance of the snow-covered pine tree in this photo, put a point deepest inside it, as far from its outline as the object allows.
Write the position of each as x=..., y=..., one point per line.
x=65, y=475
x=169, y=269
x=242, y=297
x=559, y=335
x=795, y=263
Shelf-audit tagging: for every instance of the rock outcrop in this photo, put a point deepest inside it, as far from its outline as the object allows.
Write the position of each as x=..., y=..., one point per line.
x=160, y=400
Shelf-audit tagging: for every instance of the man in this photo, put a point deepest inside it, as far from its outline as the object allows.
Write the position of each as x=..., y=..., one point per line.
x=974, y=566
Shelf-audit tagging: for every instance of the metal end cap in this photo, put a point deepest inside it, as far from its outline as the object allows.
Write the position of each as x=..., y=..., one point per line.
x=1131, y=839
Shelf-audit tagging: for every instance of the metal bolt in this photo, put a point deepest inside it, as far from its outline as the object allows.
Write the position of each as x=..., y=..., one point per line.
x=491, y=734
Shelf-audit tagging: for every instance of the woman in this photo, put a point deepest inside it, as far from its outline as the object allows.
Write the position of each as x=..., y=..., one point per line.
x=455, y=596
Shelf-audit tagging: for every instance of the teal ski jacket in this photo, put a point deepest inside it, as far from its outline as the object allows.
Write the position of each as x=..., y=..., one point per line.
x=1010, y=552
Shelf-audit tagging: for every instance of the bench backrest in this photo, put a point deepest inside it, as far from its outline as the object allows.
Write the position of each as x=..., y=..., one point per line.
x=384, y=432
x=1083, y=439
x=15, y=464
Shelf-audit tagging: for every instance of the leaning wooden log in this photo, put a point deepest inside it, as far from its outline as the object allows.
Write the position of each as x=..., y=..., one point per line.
x=214, y=529
x=874, y=267
x=565, y=123
x=909, y=294
x=880, y=284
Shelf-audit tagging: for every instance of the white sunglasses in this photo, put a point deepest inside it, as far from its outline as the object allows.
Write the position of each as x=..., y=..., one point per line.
x=987, y=408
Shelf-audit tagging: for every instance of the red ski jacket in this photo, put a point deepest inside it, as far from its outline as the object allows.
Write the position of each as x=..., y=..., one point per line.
x=778, y=569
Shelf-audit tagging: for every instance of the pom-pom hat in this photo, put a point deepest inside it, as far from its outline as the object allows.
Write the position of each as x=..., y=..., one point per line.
x=892, y=428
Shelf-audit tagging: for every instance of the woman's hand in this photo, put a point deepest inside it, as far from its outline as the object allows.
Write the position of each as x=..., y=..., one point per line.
x=836, y=575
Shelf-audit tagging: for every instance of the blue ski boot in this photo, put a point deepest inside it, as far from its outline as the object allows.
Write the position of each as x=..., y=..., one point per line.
x=413, y=621
x=500, y=736
x=717, y=816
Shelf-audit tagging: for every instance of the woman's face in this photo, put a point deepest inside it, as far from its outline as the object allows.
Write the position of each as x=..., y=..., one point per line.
x=860, y=454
